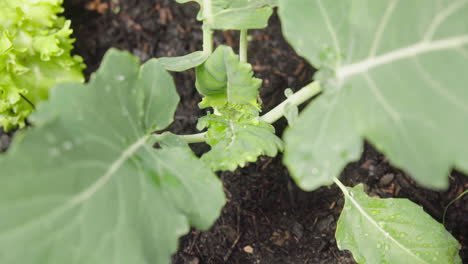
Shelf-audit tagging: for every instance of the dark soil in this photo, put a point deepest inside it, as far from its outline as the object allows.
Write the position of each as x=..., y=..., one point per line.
x=267, y=219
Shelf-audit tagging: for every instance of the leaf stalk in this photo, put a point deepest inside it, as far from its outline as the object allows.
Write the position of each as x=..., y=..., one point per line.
x=243, y=45
x=275, y=114
x=207, y=40
x=297, y=98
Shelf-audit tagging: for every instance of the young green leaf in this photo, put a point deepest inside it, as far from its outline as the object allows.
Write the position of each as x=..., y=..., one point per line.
x=84, y=184
x=183, y=63
x=235, y=133
x=35, y=47
x=223, y=80
x=235, y=14
x=392, y=231
x=394, y=73
x=234, y=143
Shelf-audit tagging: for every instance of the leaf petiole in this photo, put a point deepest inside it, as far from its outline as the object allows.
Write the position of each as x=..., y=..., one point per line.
x=301, y=96
x=207, y=40
x=297, y=98
x=243, y=45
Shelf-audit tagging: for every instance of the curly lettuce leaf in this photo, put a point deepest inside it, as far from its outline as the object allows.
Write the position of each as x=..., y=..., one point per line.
x=235, y=133
x=35, y=47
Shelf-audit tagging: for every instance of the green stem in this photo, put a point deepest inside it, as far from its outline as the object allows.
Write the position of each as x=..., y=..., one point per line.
x=297, y=98
x=276, y=113
x=243, y=45
x=207, y=31
x=207, y=40
x=341, y=186
x=195, y=138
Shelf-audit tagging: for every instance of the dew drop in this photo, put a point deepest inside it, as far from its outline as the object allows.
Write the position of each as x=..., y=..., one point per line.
x=108, y=88
x=125, y=112
x=67, y=145
x=379, y=245
x=54, y=152
x=120, y=78
x=314, y=171
x=50, y=138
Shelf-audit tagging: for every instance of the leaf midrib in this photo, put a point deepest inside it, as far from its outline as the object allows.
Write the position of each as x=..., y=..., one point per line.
x=380, y=229
x=87, y=193
x=400, y=54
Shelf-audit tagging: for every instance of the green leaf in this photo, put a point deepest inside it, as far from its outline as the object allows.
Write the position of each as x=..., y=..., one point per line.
x=85, y=185
x=394, y=73
x=180, y=64
x=234, y=143
x=223, y=79
x=392, y=231
x=235, y=14
x=235, y=133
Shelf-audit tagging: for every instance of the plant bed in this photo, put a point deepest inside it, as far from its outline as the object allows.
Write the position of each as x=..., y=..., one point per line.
x=267, y=218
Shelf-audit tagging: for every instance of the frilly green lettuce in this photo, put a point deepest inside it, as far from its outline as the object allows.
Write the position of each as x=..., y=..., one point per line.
x=35, y=47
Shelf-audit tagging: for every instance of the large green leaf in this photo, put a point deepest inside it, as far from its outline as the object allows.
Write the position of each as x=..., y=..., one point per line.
x=84, y=185
x=234, y=14
x=392, y=231
x=394, y=73
x=235, y=131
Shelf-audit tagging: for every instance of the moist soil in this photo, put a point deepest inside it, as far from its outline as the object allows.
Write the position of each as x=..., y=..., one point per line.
x=267, y=218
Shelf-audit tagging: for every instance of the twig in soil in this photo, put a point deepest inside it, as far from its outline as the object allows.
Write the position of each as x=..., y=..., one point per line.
x=228, y=254
x=190, y=249
x=451, y=202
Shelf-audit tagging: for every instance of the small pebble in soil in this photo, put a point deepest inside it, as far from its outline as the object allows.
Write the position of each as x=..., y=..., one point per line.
x=297, y=230
x=195, y=260
x=386, y=179
x=324, y=223
x=248, y=249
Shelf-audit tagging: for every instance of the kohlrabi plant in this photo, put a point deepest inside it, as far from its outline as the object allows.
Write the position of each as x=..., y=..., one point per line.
x=35, y=47
x=94, y=190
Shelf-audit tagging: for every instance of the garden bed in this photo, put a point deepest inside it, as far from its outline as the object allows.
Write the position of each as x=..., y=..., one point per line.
x=267, y=219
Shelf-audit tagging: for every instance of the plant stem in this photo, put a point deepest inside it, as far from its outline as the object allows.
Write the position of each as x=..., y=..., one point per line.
x=207, y=40
x=207, y=31
x=195, y=138
x=208, y=11
x=297, y=98
x=243, y=45
x=341, y=186
x=276, y=113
